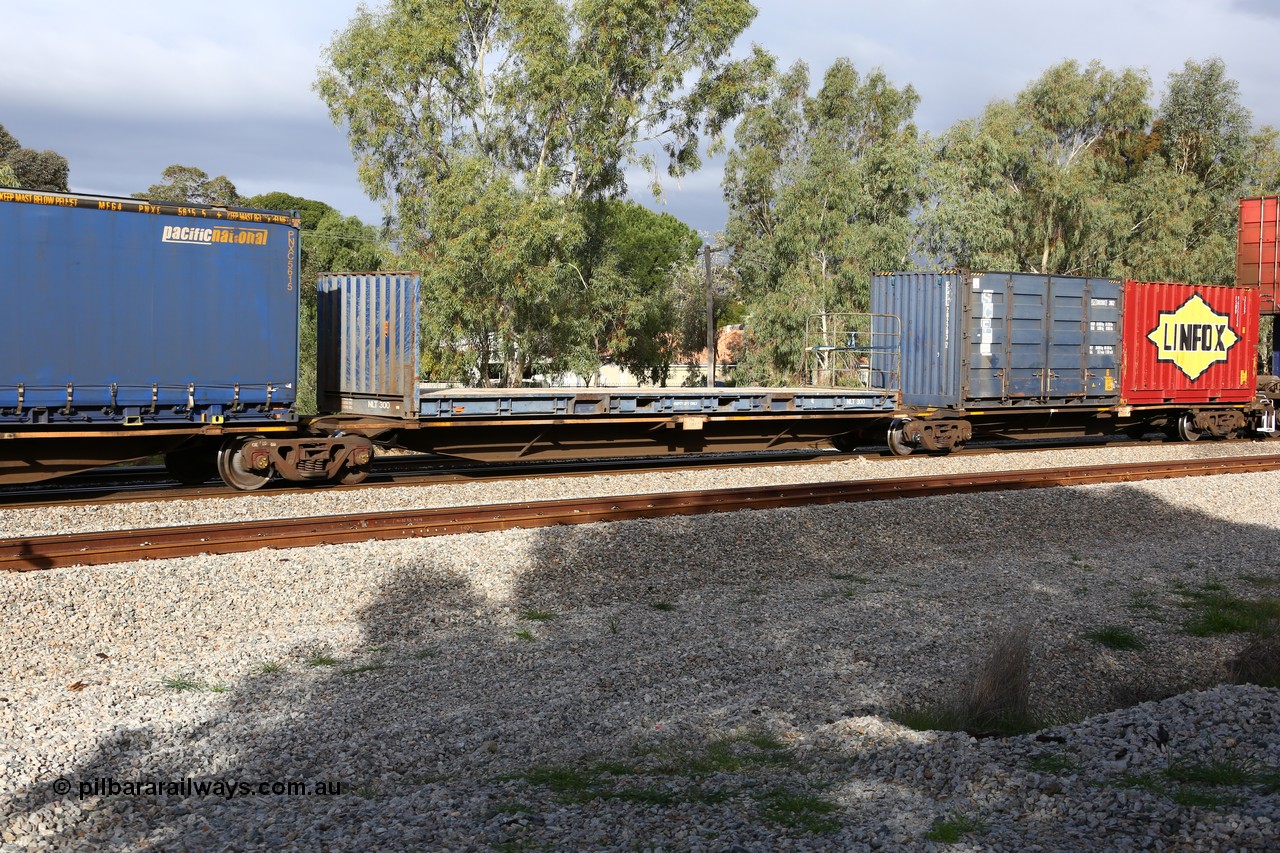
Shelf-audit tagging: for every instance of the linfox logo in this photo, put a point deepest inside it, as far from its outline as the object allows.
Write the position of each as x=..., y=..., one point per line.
x=213, y=235
x=1194, y=337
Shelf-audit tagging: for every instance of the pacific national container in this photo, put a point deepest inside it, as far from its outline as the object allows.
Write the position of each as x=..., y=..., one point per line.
x=368, y=343
x=1188, y=344
x=125, y=311
x=995, y=339
x=1257, y=255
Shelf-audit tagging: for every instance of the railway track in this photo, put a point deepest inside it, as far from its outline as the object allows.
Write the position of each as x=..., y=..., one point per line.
x=87, y=549
x=152, y=483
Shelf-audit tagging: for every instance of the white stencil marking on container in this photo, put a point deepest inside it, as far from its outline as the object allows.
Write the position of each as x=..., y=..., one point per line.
x=984, y=325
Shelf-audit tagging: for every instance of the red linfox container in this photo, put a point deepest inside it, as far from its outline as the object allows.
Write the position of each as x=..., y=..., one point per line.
x=1189, y=343
x=1257, y=254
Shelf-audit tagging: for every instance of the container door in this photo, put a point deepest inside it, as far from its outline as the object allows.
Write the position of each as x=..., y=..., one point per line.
x=1066, y=322
x=1028, y=313
x=1103, y=303
x=988, y=351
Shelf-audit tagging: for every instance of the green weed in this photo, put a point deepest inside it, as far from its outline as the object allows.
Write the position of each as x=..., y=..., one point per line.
x=537, y=615
x=804, y=812
x=954, y=828
x=1117, y=638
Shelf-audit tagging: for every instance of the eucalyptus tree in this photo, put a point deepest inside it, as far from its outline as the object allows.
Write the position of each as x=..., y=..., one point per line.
x=31, y=169
x=180, y=183
x=820, y=189
x=485, y=124
x=1026, y=186
x=1079, y=175
x=1204, y=136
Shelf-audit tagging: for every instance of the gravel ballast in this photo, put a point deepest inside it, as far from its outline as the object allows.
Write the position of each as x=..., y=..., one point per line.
x=83, y=518
x=711, y=683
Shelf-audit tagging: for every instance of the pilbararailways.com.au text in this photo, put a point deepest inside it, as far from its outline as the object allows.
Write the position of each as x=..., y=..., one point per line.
x=225, y=788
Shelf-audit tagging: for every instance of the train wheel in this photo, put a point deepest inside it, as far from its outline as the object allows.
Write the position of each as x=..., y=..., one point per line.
x=192, y=466
x=1186, y=428
x=898, y=444
x=234, y=471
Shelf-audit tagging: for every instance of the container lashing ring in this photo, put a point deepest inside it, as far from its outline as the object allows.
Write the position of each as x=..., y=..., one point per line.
x=67, y=411
x=22, y=395
x=266, y=407
x=114, y=390
x=191, y=397
x=235, y=399
x=155, y=396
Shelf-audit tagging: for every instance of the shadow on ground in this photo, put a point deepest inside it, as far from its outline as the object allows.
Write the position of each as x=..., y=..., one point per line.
x=597, y=673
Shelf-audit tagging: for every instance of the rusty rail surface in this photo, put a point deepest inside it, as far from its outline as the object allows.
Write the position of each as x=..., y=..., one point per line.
x=25, y=554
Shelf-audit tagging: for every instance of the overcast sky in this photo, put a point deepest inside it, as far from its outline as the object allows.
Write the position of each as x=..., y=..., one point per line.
x=124, y=88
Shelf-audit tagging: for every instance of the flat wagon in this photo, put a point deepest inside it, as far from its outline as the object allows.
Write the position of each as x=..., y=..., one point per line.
x=133, y=328
x=1015, y=354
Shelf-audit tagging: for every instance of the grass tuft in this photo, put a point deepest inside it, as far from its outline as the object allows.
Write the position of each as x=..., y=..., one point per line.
x=321, y=660
x=267, y=667
x=1054, y=762
x=525, y=634
x=182, y=682
x=1258, y=662
x=954, y=828
x=998, y=697
x=663, y=606
x=1212, y=785
x=1215, y=612
x=537, y=615
x=801, y=811
x=1117, y=638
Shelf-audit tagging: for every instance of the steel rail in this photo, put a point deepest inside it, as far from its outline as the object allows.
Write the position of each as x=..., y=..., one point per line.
x=25, y=554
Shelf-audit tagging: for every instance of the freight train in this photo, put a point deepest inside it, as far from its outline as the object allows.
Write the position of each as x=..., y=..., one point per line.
x=136, y=328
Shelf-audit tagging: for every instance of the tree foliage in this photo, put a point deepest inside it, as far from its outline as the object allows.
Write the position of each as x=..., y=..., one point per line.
x=1079, y=175
x=631, y=256
x=1024, y=187
x=487, y=125
x=26, y=167
x=330, y=243
x=820, y=188
x=189, y=184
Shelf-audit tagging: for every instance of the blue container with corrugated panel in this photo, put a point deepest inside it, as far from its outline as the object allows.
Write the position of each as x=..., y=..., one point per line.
x=127, y=311
x=368, y=343
x=994, y=340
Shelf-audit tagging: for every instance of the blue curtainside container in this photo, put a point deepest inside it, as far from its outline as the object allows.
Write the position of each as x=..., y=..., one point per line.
x=125, y=311
x=993, y=340
x=368, y=343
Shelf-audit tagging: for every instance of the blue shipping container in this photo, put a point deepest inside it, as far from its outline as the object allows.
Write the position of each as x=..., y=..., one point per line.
x=1004, y=339
x=120, y=310
x=368, y=343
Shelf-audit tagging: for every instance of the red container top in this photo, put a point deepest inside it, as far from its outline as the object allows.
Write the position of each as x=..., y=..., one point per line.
x=1189, y=343
x=1257, y=259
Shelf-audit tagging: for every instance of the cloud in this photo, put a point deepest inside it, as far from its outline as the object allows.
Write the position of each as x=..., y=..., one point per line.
x=237, y=60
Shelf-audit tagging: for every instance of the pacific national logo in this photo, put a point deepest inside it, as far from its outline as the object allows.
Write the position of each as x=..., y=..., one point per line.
x=214, y=235
x=1194, y=338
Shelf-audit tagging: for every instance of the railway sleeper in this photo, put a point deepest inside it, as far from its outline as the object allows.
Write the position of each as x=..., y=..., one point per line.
x=345, y=459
